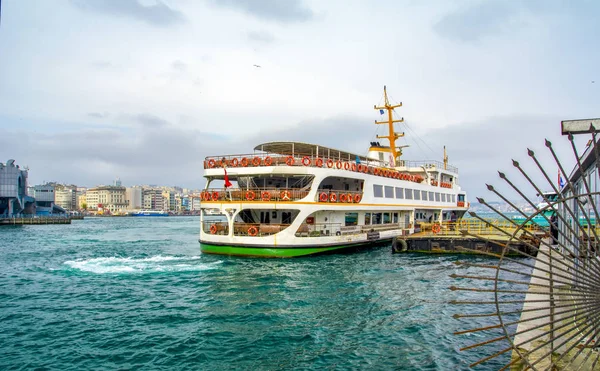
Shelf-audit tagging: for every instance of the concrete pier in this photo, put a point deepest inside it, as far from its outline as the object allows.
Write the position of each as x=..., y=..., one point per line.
x=35, y=220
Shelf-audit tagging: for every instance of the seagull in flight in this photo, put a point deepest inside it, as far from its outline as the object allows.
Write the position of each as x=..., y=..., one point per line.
x=256, y=65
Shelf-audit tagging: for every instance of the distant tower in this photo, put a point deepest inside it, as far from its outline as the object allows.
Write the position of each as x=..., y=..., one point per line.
x=118, y=182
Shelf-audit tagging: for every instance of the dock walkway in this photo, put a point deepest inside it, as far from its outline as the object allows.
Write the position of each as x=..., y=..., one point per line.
x=35, y=220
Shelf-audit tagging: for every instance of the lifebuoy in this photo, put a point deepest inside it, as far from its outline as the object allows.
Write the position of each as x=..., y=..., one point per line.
x=213, y=229
x=386, y=173
x=211, y=163
x=235, y=162
x=256, y=161
x=349, y=197
x=338, y=164
x=285, y=195
x=346, y=166
x=290, y=161
x=244, y=162
x=203, y=196
x=306, y=161
x=250, y=195
x=319, y=162
x=215, y=196
x=323, y=197
x=436, y=228
x=268, y=161
x=343, y=197
x=265, y=195
x=376, y=171
x=329, y=163
x=365, y=169
x=332, y=197
x=353, y=166
x=252, y=231
x=357, y=198
x=359, y=168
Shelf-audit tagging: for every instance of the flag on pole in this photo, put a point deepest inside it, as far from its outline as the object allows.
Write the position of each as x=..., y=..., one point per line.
x=561, y=180
x=227, y=182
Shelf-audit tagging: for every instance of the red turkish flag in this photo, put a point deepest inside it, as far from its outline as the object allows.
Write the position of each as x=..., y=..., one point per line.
x=227, y=182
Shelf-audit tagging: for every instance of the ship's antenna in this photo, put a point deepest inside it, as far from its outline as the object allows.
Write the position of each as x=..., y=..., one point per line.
x=392, y=136
x=445, y=159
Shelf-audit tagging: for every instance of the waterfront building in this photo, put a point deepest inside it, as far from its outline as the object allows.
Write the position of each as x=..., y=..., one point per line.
x=106, y=199
x=152, y=199
x=13, y=190
x=133, y=195
x=195, y=203
x=45, y=199
x=65, y=196
x=169, y=203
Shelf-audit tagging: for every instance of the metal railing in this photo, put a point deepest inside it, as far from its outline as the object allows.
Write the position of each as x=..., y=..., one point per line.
x=374, y=167
x=254, y=194
x=335, y=196
x=476, y=227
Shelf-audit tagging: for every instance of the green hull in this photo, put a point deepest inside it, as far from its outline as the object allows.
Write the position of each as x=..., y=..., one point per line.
x=272, y=252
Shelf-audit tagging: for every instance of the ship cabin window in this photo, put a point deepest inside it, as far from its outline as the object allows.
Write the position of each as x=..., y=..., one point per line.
x=417, y=195
x=351, y=219
x=437, y=196
x=395, y=218
x=443, y=197
x=408, y=194
x=453, y=198
x=376, y=218
x=377, y=190
x=386, y=218
x=367, y=218
x=461, y=198
x=341, y=184
x=431, y=196
x=399, y=192
x=424, y=195
x=389, y=192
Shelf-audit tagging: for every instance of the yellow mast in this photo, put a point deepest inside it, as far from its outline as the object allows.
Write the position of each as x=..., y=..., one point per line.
x=392, y=135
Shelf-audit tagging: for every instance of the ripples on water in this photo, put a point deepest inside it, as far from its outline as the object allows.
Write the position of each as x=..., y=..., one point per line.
x=136, y=292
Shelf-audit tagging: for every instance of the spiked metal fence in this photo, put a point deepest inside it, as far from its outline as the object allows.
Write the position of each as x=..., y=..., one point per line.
x=541, y=308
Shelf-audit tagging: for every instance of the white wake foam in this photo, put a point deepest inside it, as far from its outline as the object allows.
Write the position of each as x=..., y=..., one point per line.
x=152, y=264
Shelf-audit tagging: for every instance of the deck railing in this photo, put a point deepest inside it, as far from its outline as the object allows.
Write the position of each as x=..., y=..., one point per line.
x=254, y=194
x=378, y=168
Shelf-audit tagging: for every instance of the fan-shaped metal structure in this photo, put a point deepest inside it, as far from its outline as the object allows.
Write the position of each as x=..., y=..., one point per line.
x=539, y=309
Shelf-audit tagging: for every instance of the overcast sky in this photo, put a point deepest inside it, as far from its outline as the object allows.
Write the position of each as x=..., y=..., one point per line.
x=91, y=90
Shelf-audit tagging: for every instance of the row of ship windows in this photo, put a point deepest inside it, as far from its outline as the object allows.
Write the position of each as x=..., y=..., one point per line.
x=380, y=191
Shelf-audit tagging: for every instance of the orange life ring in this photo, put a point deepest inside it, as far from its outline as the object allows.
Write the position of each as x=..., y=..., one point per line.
x=359, y=168
x=265, y=195
x=338, y=164
x=250, y=195
x=244, y=162
x=329, y=163
x=285, y=195
x=211, y=162
x=319, y=162
x=213, y=229
x=357, y=198
x=349, y=197
x=252, y=231
x=203, y=196
x=332, y=197
x=268, y=161
x=436, y=228
x=323, y=197
x=290, y=161
x=346, y=166
x=343, y=197
x=365, y=169
x=215, y=196
x=386, y=173
x=256, y=161
x=376, y=171
x=234, y=162
x=306, y=161
x=353, y=166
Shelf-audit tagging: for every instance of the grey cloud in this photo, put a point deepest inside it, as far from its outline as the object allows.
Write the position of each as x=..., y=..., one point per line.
x=477, y=21
x=150, y=121
x=158, y=14
x=261, y=37
x=272, y=10
x=179, y=66
x=98, y=115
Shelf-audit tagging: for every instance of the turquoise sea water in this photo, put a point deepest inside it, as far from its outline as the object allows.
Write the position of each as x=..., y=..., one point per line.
x=123, y=293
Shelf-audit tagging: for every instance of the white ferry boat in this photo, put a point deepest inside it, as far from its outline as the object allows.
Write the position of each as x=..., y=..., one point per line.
x=149, y=213
x=291, y=199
